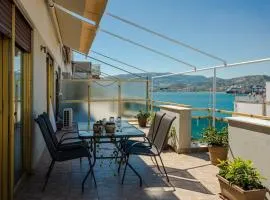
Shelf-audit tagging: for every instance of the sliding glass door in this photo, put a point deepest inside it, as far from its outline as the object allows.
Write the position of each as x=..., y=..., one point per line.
x=18, y=114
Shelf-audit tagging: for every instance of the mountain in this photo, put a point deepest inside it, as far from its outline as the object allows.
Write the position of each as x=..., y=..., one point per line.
x=199, y=82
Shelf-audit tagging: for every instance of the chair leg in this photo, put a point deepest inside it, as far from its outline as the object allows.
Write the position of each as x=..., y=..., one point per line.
x=157, y=163
x=124, y=168
x=89, y=171
x=92, y=171
x=130, y=166
x=48, y=175
x=164, y=168
x=120, y=163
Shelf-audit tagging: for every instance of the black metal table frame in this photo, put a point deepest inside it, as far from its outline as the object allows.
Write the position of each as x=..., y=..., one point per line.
x=98, y=139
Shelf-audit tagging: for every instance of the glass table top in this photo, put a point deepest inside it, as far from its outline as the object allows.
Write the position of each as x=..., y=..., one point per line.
x=125, y=130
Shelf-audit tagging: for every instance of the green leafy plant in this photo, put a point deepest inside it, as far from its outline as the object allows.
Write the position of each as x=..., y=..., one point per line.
x=143, y=115
x=241, y=173
x=172, y=133
x=213, y=137
x=151, y=117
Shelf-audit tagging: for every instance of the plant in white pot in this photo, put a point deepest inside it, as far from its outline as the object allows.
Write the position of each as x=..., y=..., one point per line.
x=217, y=143
x=239, y=180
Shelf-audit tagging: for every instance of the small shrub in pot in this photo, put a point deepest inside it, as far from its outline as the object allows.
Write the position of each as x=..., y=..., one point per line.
x=240, y=180
x=217, y=143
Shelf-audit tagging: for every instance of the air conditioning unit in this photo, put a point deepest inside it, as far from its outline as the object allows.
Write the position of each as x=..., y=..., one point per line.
x=66, y=75
x=67, y=118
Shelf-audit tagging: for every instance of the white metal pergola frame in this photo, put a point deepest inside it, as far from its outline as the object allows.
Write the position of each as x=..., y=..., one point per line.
x=214, y=68
x=175, y=42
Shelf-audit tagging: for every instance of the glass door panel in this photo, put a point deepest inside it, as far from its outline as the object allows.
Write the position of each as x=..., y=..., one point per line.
x=18, y=122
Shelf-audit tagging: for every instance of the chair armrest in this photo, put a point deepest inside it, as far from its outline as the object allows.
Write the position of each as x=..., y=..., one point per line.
x=68, y=138
x=70, y=148
x=65, y=133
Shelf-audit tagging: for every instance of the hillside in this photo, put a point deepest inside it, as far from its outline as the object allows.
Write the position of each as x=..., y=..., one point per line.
x=200, y=83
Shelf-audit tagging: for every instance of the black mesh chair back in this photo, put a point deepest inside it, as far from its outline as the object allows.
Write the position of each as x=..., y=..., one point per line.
x=47, y=120
x=62, y=154
x=155, y=125
x=46, y=135
x=163, y=131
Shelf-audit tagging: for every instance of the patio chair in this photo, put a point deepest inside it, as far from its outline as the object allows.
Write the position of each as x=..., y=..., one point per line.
x=63, y=154
x=59, y=144
x=51, y=121
x=149, y=148
x=150, y=136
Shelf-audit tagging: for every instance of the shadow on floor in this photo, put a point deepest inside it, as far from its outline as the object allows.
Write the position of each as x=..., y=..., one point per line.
x=66, y=178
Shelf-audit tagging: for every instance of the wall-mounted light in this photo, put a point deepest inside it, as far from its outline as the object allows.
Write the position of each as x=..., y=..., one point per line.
x=43, y=49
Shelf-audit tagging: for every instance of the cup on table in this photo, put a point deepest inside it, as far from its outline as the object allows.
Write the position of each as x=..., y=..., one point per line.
x=111, y=119
x=118, y=123
x=104, y=121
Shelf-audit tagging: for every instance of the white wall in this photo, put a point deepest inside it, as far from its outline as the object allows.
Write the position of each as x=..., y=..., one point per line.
x=267, y=108
x=250, y=139
x=267, y=87
x=250, y=108
x=38, y=14
x=181, y=141
x=39, y=94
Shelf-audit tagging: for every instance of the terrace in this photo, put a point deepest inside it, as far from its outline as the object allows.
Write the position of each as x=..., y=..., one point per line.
x=191, y=177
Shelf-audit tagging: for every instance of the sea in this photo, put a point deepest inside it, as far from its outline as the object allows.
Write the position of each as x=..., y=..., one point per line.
x=224, y=101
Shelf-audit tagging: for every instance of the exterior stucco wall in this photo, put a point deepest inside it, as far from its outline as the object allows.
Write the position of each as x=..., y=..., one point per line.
x=250, y=108
x=249, y=139
x=39, y=95
x=38, y=14
x=181, y=140
x=267, y=109
x=267, y=87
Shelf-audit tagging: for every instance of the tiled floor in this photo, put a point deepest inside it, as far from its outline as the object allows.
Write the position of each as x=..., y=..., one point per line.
x=192, y=177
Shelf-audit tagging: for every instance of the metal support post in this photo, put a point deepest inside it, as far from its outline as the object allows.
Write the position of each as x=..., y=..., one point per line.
x=214, y=98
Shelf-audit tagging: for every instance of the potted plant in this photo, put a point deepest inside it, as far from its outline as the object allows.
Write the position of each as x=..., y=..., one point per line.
x=239, y=180
x=142, y=118
x=217, y=143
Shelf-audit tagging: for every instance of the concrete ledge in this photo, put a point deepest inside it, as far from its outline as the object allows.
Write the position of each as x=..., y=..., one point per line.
x=173, y=108
x=180, y=141
x=249, y=138
x=256, y=125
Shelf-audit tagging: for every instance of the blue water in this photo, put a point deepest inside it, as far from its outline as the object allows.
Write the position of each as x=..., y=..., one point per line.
x=199, y=100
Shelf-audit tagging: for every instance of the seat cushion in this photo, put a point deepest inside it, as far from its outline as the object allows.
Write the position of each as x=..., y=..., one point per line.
x=142, y=150
x=72, y=145
x=128, y=143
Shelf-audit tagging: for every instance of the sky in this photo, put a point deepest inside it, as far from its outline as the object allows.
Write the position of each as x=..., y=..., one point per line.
x=234, y=30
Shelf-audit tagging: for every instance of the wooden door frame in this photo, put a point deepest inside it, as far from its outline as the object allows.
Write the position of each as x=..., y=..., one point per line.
x=50, y=82
x=7, y=51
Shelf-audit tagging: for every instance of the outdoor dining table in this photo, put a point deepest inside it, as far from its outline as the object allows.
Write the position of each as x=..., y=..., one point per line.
x=123, y=132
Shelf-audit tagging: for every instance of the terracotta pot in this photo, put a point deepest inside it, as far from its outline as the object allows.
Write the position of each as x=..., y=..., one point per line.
x=217, y=153
x=233, y=192
x=142, y=122
x=110, y=127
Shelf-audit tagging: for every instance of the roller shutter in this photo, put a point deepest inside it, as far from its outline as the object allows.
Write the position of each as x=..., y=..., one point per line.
x=22, y=32
x=5, y=17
